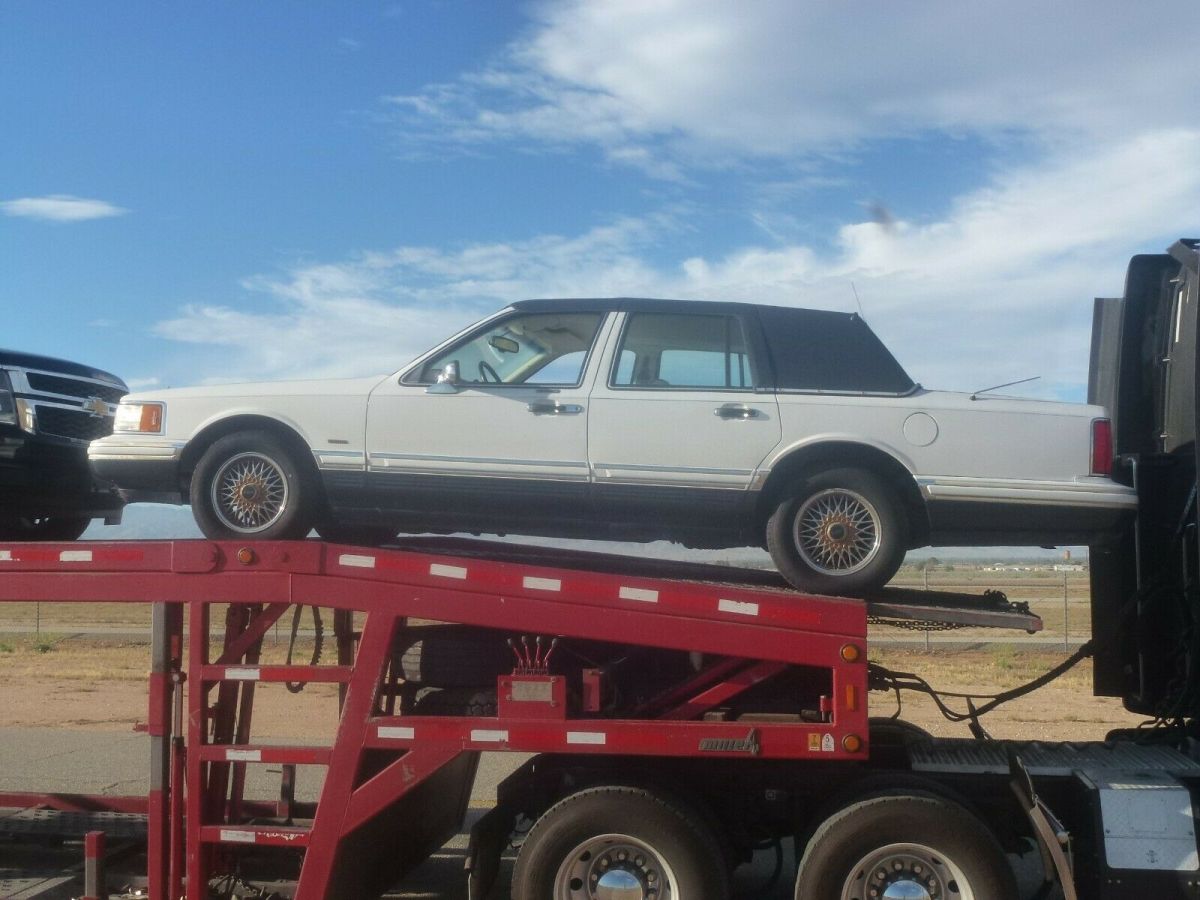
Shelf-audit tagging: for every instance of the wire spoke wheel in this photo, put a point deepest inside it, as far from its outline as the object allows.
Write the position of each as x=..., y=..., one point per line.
x=907, y=872
x=837, y=531
x=249, y=492
x=615, y=867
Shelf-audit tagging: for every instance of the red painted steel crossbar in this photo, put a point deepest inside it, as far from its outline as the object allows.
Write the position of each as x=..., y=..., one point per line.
x=377, y=760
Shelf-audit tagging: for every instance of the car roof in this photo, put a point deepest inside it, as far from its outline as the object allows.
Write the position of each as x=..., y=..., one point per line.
x=661, y=305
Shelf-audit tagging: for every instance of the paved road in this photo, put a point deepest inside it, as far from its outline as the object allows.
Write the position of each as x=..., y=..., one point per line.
x=115, y=763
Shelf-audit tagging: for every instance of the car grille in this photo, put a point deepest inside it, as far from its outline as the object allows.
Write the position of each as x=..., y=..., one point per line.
x=71, y=387
x=68, y=423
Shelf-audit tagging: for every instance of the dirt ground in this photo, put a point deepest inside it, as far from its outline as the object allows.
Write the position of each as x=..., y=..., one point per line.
x=100, y=685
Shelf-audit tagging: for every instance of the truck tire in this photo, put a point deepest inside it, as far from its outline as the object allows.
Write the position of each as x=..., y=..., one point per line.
x=906, y=843
x=625, y=839
x=841, y=531
x=452, y=656
x=249, y=485
x=455, y=702
x=44, y=528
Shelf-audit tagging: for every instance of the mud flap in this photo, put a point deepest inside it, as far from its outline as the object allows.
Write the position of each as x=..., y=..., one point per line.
x=489, y=837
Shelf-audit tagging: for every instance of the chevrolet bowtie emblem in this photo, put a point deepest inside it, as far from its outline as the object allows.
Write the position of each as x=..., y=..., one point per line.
x=96, y=407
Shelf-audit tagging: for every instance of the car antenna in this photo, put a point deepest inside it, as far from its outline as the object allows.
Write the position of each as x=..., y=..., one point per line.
x=861, y=315
x=997, y=387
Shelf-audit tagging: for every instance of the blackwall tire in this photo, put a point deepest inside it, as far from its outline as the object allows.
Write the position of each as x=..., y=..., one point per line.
x=626, y=835
x=249, y=486
x=460, y=701
x=841, y=531
x=908, y=843
x=44, y=528
x=451, y=656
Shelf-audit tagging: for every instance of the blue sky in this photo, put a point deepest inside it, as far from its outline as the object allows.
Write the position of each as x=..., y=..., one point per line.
x=226, y=190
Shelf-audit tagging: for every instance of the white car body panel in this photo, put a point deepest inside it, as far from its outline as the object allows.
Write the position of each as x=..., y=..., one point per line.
x=387, y=433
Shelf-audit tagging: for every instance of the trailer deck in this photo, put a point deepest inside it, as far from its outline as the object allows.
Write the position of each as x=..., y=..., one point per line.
x=686, y=661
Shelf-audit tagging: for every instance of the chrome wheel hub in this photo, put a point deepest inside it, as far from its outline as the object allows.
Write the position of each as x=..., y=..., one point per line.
x=614, y=867
x=836, y=531
x=249, y=493
x=906, y=872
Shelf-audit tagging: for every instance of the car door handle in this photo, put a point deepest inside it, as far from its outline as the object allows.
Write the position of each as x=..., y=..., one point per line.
x=736, y=411
x=552, y=408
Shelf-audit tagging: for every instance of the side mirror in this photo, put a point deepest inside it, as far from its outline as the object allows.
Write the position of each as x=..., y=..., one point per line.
x=447, y=380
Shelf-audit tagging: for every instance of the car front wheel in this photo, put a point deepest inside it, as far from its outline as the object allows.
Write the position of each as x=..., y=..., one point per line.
x=249, y=485
x=841, y=531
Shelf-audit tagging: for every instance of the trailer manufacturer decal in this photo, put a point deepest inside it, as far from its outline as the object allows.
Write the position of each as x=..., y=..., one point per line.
x=748, y=744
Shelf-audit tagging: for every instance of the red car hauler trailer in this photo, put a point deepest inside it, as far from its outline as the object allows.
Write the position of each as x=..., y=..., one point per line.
x=678, y=719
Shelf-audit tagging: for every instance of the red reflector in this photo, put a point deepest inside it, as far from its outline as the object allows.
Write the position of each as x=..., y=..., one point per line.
x=1102, y=447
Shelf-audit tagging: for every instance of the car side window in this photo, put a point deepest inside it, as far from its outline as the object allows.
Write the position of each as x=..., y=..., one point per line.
x=538, y=348
x=669, y=350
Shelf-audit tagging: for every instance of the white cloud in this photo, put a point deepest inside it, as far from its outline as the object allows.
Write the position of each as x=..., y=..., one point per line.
x=60, y=208
x=656, y=83
x=997, y=289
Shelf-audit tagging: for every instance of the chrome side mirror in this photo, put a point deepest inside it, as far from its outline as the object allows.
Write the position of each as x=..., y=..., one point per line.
x=447, y=380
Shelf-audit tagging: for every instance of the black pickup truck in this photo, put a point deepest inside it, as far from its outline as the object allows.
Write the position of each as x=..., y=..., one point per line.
x=50, y=409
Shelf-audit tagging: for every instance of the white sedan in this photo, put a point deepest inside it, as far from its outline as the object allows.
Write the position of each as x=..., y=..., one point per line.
x=712, y=424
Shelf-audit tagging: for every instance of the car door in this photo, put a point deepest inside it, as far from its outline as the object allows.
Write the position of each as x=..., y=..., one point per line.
x=680, y=419
x=503, y=443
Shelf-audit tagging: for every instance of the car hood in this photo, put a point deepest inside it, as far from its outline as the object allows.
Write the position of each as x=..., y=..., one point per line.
x=59, y=366
x=325, y=387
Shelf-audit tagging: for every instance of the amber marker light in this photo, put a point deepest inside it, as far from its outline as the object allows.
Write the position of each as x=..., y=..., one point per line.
x=851, y=653
x=245, y=556
x=852, y=743
x=139, y=418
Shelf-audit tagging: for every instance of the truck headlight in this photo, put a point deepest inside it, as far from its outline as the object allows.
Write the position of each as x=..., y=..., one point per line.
x=139, y=418
x=8, y=405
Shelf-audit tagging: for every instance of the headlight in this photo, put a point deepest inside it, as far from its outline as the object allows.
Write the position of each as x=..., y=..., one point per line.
x=139, y=418
x=8, y=406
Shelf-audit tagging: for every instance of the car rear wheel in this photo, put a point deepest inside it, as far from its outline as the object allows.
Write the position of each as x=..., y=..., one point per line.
x=249, y=485
x=840, y=531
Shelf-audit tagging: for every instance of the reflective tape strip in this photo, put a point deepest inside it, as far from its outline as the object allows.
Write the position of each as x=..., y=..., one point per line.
x=232, y=836
x=482, y=736
x=594, y=738
x=243, y=674
x=448, y=571
x=541, y=584
x=75, y=556
x=645, y=595
x=357, y=562
x=396, y=732
x=5, y=556
x=737, y=606
x=243, y=755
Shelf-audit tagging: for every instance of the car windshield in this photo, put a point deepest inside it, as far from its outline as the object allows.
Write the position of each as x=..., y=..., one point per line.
x=545, y=348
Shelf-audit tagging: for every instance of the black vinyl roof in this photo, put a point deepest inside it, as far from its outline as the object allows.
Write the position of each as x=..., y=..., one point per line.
x=809, y=349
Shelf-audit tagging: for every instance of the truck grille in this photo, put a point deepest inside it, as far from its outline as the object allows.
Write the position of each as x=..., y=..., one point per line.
x=72, y=387
x=68, y=423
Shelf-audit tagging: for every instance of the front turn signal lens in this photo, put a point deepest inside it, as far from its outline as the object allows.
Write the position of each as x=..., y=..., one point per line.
x=139, y=418
x=852, y=743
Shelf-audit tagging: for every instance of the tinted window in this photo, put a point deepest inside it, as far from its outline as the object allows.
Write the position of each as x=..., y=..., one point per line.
x=542, y=348
x=815, y=350
x=691, y=351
